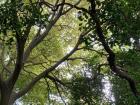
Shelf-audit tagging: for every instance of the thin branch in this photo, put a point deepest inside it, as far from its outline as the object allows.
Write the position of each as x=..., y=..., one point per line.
x=55, y=80
x=71, y=7
x=49, y=90
x=60, y=93
x=98, y=52
x=77, y=58
x=35, y=63
x=48, y=76
x=49, y=5
x=74, y=6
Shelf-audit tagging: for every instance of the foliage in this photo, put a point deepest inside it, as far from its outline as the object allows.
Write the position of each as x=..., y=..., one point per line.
x=59, y=51
x=86, y=89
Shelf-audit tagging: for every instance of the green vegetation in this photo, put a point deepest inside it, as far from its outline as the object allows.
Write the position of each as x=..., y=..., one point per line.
x=69, y=52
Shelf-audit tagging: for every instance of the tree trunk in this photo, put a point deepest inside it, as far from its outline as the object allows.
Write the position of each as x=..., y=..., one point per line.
x=6, y=95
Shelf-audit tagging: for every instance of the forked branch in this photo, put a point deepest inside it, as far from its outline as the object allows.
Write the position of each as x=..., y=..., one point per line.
x=52, y=68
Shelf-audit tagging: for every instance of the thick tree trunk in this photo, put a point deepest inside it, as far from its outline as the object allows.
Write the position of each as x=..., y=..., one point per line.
x=6, y=95
x=6, y=100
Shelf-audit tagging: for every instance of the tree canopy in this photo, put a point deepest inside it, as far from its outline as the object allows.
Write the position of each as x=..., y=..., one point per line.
x=69, y=52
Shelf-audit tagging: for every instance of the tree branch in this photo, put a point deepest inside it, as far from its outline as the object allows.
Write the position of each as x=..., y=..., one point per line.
x=52, y=68
x=60, y=93
x=48, y=76
x=71, y=6
x=39, y=37
x=77, y=58
x=111, y=57
x=21, y=40
x=74, y=6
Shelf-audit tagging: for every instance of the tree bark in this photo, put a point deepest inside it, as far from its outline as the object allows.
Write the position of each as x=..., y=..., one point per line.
x=5, y=94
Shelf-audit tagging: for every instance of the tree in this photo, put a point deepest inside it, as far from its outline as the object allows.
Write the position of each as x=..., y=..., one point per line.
x=36, y=33
x=21, y=17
